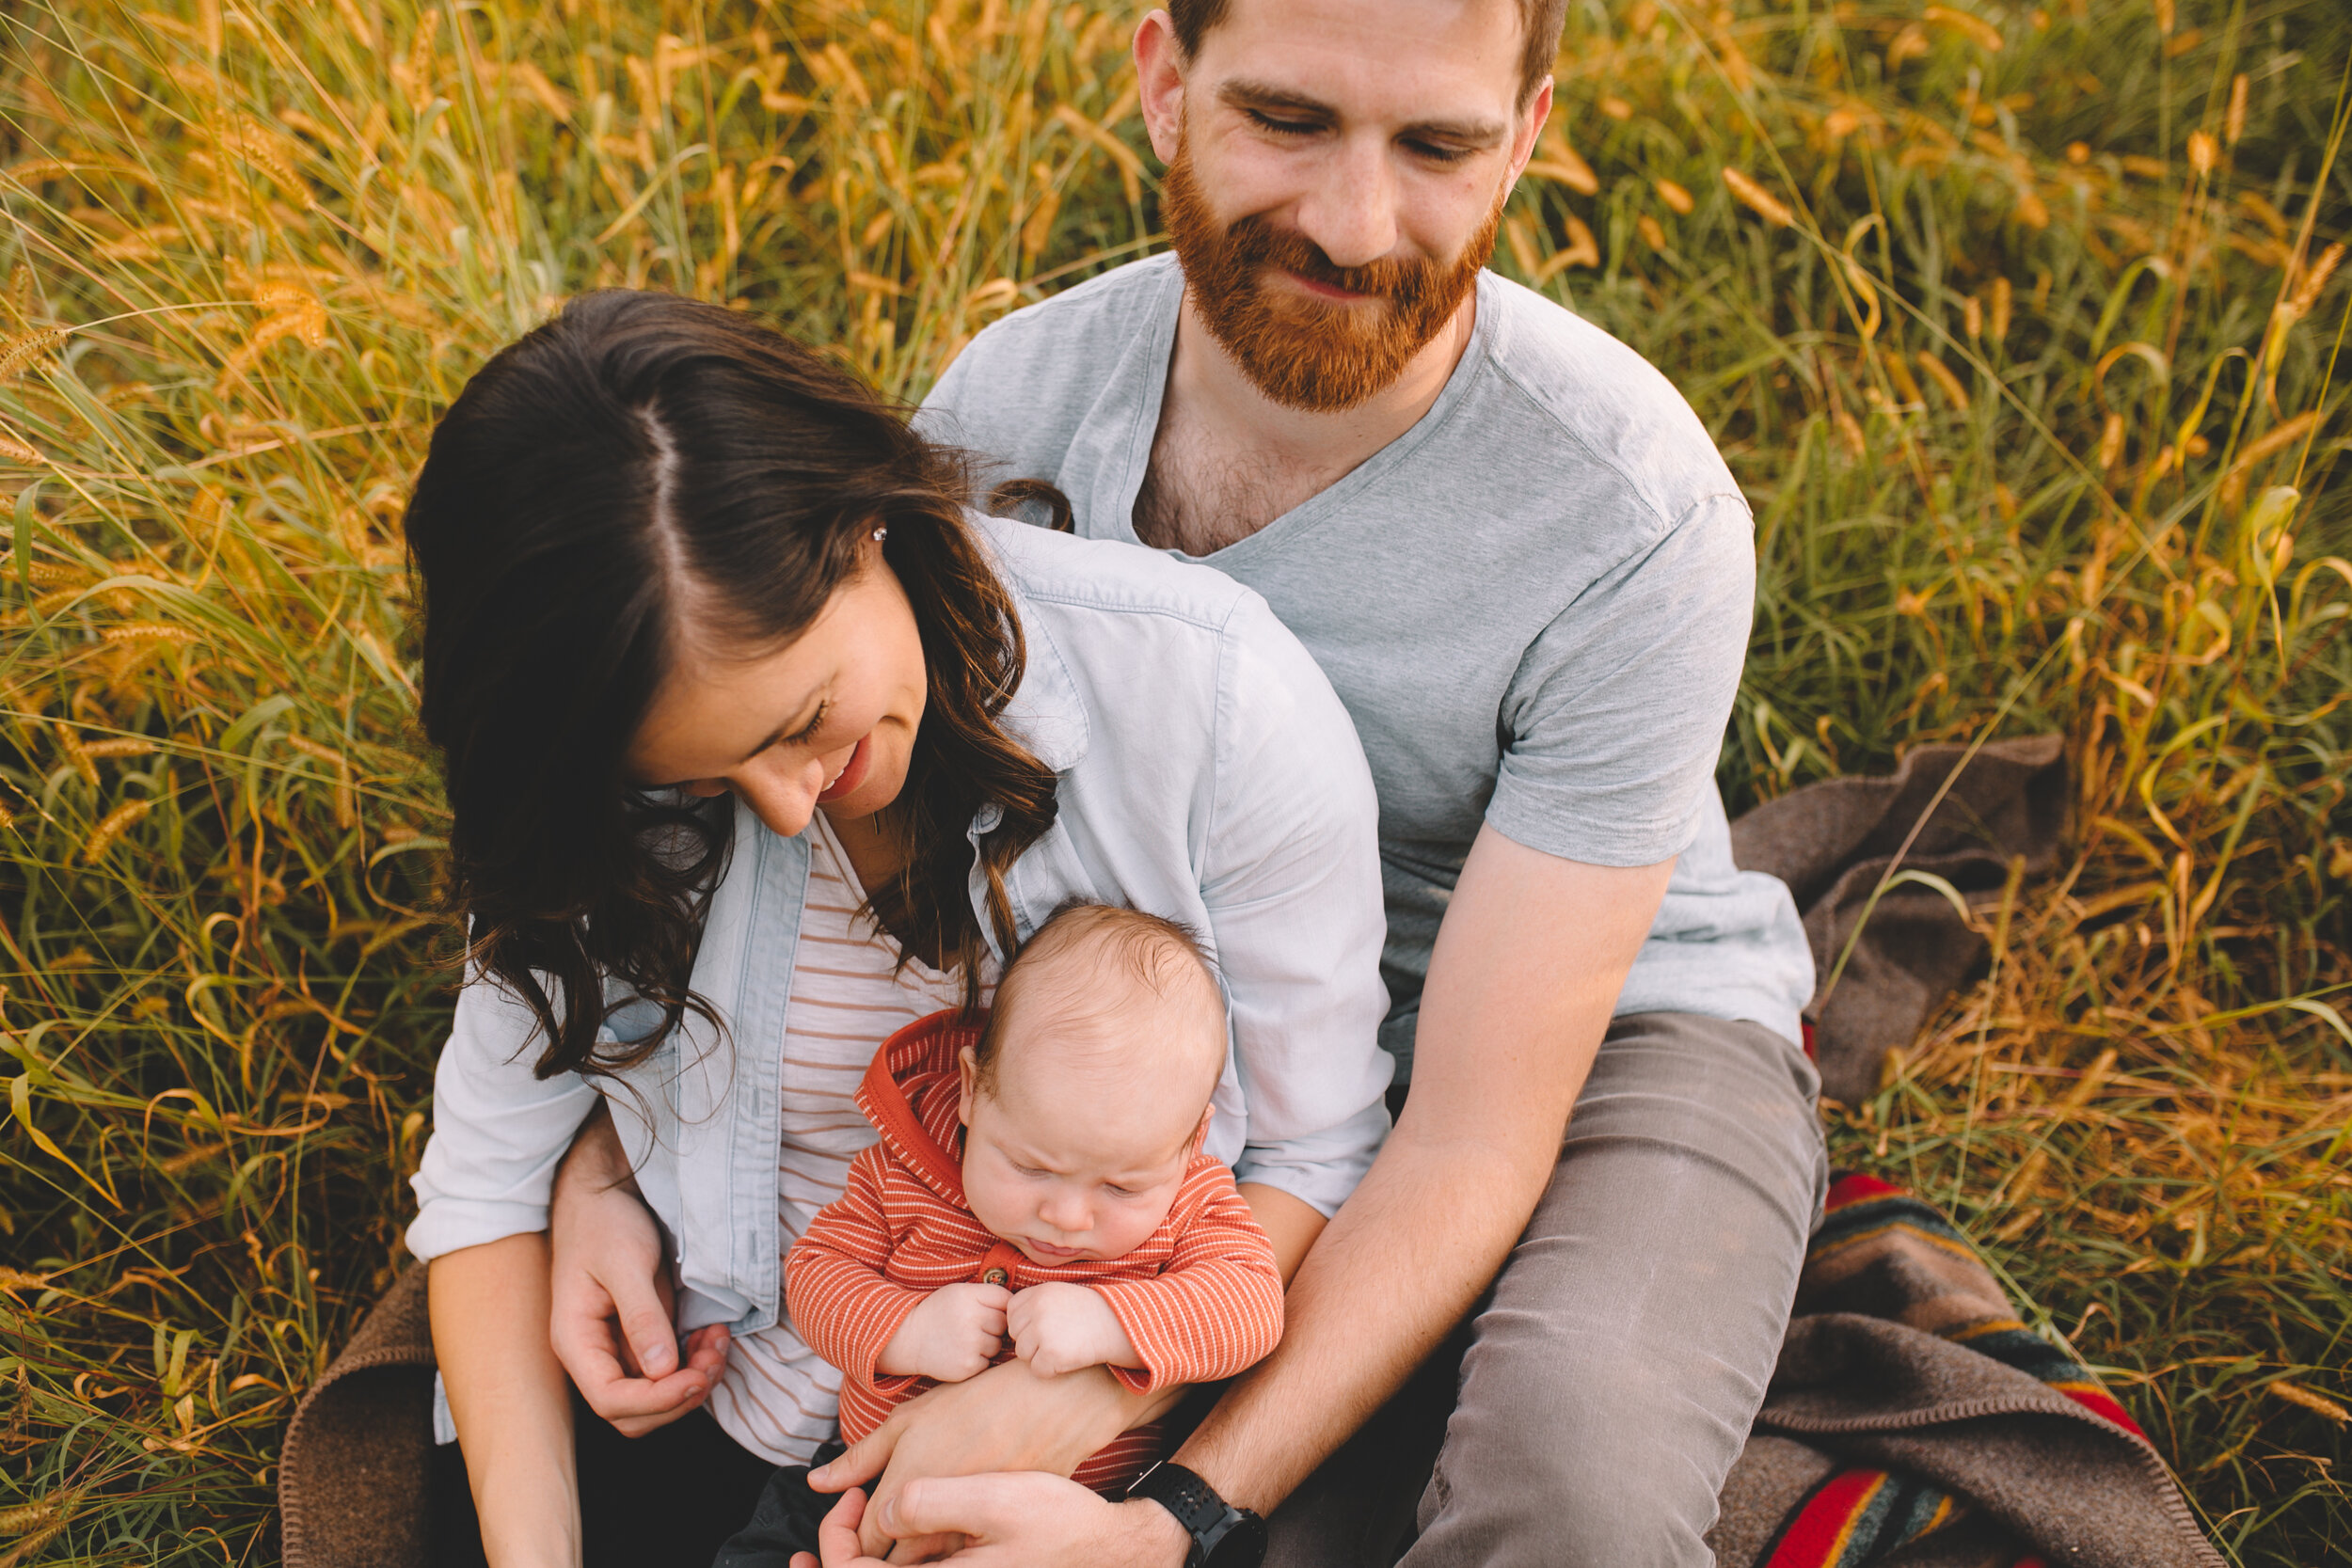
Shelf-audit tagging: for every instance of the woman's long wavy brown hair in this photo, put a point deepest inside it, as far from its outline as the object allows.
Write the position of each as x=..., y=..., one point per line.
x=638, y=453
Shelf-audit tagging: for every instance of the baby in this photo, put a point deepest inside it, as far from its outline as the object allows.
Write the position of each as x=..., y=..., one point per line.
x=1039, y=1190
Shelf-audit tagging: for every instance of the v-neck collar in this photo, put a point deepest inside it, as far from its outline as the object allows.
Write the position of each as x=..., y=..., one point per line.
x=1119, y=477
x=826, y=841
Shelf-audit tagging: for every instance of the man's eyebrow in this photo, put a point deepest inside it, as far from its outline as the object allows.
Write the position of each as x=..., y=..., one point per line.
x=1241, y=93
x=1266, y=97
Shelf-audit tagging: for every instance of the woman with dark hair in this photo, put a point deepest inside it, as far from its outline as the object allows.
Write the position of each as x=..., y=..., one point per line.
x=758, y=743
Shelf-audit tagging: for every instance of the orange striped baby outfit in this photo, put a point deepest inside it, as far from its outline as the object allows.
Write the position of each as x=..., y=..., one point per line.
x=1200, y=1298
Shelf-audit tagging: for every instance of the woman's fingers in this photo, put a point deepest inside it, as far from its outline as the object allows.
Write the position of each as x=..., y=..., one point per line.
x=646, y=1328
x=706, y=1349
x=635, y=1405
x=606, y=1264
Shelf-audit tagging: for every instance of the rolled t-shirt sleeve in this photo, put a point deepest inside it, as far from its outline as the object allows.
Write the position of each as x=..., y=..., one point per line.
x=1615, y=716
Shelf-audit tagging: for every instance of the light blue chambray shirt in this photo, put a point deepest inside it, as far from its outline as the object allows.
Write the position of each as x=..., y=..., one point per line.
x=1207, y=772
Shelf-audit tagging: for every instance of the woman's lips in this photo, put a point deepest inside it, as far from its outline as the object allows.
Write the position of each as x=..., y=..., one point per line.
x=852, y=772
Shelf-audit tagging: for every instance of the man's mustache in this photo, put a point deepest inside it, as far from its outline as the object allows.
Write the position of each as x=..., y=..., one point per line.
x=1255, y=241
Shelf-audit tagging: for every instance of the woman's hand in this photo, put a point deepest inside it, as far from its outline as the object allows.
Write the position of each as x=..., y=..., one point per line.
x=606, y=1269
x=1006, y=1521
x=1007, y=1419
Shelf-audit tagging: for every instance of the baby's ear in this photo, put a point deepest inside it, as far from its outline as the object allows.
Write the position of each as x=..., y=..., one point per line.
x=968, y=1081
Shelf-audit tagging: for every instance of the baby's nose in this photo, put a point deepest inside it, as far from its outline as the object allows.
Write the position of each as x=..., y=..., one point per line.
x=1068, y=1212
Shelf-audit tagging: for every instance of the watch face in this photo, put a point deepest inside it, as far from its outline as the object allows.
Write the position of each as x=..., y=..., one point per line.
x=1244, y=1544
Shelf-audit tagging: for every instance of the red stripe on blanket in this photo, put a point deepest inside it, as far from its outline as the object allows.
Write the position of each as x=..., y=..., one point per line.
x=1819, y=1535
x=2100, y=1402
x=1856, y=1187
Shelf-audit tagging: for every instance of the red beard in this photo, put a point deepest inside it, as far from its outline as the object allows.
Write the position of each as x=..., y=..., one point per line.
x=1309, y=353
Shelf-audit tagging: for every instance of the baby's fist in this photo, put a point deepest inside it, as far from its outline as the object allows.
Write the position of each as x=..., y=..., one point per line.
x=1058, y=1328
x=953, y=1334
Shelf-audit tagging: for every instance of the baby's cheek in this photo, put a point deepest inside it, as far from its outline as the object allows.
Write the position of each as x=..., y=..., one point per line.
x=1135, y=1227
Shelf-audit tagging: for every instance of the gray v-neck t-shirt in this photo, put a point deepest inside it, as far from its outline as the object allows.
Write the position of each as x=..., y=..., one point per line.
x=1534, y=603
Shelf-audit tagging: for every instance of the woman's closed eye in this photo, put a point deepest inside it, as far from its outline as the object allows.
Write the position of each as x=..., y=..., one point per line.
x=808, y=731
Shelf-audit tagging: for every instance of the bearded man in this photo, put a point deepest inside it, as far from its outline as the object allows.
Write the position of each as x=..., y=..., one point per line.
x=1521, y=560
x=1512, y=548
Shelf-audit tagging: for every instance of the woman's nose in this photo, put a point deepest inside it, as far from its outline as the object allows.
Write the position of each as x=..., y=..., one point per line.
x=781, y=793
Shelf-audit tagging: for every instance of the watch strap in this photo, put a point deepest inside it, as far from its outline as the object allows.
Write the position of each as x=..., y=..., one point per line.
x=1208, y=1518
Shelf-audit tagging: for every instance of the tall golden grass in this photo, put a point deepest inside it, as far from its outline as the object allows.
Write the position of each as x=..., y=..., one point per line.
x=2020, y=326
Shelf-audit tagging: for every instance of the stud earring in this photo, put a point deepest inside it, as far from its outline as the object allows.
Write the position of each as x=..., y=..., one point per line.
x=880, y=534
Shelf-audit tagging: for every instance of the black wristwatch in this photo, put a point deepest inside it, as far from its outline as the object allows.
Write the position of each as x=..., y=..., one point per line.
x=1223, y=1536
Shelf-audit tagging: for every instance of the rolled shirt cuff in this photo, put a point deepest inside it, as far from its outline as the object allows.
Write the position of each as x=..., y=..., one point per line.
x=1320, y=1169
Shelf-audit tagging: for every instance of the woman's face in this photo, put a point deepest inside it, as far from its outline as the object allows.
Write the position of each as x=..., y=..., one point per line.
x=828, y=719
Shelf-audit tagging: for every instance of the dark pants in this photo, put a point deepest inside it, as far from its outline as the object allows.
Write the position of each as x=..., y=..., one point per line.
x=665, y=1500
x=785, y=1521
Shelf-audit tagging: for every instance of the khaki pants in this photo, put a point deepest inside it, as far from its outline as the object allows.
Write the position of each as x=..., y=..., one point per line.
x=1587, y=1415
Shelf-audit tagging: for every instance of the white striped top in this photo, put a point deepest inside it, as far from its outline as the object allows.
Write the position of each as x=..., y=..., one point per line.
x=777, y=1397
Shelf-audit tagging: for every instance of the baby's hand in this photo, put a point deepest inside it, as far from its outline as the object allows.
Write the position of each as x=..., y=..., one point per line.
x=953, y=1334
x=1059, y=1328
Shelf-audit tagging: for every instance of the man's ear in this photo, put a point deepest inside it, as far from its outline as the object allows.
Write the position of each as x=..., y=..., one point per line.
x=1530, y=126
x=1160, y=82
x=967, y=1083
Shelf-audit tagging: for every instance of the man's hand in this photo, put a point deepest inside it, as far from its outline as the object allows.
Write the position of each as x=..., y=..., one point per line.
x=1006, y=1521
x=607, y=1274
x=952, y=1336
x=1007, y=1419
x=1059, y=1327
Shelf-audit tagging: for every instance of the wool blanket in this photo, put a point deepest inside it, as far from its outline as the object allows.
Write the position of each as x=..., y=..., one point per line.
x=1913, y=1420
x=1888, y=945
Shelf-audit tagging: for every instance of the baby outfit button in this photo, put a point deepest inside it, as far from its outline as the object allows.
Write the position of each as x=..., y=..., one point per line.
x=995, y=1276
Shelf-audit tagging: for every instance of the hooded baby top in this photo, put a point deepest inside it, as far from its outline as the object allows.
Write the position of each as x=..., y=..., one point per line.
x=1200, y=1298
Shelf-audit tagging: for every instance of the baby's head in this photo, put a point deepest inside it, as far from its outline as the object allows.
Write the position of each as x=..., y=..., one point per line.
x=1086, y=1091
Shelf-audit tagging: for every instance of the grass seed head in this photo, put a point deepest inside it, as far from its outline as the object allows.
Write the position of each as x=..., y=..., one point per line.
x=112, y=827
x=20, y=351
x=1758, y=201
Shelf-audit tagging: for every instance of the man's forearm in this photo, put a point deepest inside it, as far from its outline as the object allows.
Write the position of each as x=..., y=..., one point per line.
x=1390, y=1277
x=1523, y=976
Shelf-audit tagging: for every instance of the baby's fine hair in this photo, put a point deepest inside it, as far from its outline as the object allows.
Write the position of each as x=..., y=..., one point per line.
x=1151, y=950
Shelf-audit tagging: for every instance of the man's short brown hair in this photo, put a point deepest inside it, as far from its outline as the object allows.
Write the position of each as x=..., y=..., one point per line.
x=1539, y=48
